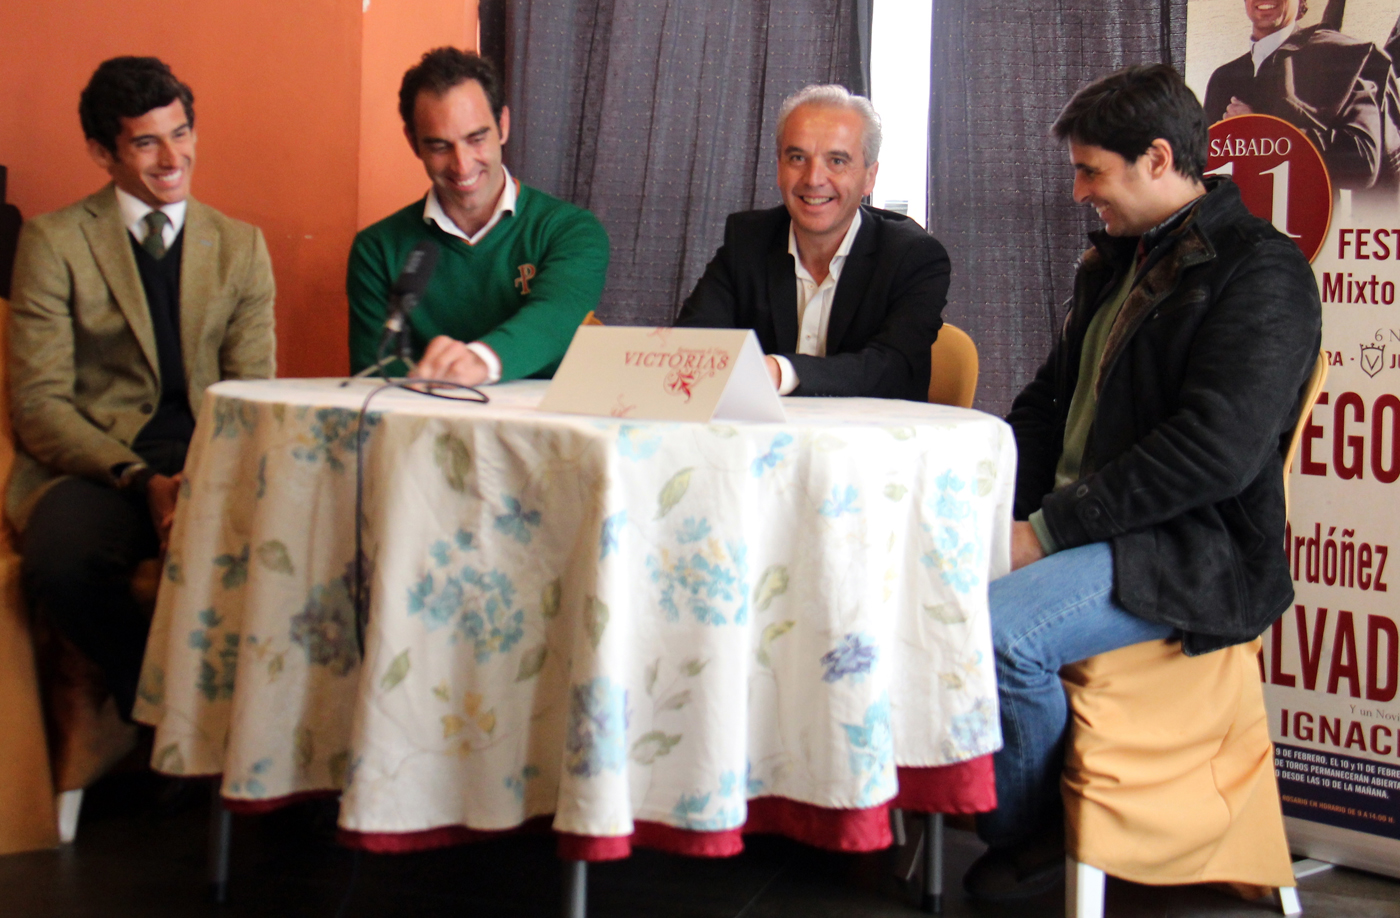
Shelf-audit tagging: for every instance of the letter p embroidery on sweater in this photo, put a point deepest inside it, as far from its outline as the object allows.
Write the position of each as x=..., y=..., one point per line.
x=527, y=272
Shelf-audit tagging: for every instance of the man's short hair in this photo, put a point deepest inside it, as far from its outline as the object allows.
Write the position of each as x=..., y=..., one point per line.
x=832, y=96
x=1125, y=111
x=128, y=87
x=442, y=69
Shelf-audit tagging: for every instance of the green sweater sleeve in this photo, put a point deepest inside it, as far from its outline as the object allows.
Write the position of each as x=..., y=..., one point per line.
x=566, y=285
x=367, y=284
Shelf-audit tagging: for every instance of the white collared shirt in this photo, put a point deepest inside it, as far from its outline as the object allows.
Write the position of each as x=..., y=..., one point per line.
x=134, y=210
x=1261, y=49
x=814, y=303
x=505, y=204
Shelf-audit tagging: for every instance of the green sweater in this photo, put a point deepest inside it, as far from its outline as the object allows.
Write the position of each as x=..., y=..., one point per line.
x=522, y=290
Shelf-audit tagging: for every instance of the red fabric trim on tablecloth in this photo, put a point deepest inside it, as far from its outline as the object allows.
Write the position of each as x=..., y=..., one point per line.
x=964, y=788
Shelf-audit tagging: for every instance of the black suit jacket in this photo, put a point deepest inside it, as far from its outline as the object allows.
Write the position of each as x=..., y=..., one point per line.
x=886, y=312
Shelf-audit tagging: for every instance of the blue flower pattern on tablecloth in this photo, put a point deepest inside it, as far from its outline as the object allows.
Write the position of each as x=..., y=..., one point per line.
x=597, y=739
x=973, y=733
x=333, y=436
x=770, y=459
x=872, y=753
x=840, y=502
x=853, y=657
x=516, y=522
x=218, y=664
x=690, y=810
x=632, y=444
x=693, y=530
x=233, y=418
x=612, y=530
x=478, y=602
x=954, y=556
x=325, y=627
x=252, y=786
x=704, y=585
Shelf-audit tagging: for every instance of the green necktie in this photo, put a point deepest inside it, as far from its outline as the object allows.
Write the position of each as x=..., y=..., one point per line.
x=155, y=221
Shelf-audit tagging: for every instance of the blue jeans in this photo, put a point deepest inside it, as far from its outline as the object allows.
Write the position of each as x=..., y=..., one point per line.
x=1046, y=615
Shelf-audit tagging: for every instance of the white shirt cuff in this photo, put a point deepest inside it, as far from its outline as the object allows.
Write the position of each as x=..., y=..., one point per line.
x=787, y=379
x=488, y=357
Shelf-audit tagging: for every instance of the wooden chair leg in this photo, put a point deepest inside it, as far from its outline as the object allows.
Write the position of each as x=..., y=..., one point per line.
x=1288, y=899
x=1083, y=890
x=70, y=803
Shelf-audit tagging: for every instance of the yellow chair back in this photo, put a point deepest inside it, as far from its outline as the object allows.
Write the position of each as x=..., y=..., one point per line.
x=953, y=374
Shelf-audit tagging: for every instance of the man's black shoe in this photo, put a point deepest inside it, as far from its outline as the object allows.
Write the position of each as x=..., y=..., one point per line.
x=1005, y=874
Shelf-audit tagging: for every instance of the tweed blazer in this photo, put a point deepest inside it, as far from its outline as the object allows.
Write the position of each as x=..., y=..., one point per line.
x=83, y=365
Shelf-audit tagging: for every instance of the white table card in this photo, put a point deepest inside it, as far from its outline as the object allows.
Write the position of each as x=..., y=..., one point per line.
x=664, y=374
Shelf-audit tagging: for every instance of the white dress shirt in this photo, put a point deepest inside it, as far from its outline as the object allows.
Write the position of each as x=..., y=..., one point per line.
x=505, y=204
x=1261, y=49
x=814, y=304
x=134, y=210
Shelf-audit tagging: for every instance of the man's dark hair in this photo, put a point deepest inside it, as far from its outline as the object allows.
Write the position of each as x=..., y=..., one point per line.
x=442, y=69
x=128, y=87
x=1125, y=111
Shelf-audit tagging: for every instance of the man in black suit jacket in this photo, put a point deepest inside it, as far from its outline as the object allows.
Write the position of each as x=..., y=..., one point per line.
x=845, y=299
x=1336, y=89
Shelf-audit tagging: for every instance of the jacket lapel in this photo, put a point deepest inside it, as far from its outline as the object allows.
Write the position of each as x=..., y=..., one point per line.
x=110, y=244
x=782, y=293
x=198, y=278
x=855, y=280
x=1160, y=280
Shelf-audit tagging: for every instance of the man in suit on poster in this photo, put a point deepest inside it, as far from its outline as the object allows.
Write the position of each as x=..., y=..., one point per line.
x=1339, y=91
x=845, y=299
x=127, y=305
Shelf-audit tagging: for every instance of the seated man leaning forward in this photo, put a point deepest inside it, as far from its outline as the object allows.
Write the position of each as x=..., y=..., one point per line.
x=126, y=306
x=1150, y=482
x=845, y=299
x=518, y=270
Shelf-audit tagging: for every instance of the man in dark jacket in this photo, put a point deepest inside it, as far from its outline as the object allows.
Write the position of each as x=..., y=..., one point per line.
x=1149, y=493
x=845, y=299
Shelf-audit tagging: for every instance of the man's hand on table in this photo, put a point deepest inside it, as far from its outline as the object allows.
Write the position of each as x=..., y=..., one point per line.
x=450, y=359
x=162, y=491
x=1025, y=545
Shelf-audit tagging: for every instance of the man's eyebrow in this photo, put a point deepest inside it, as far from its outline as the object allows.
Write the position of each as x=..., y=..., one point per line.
x=479, y=133
x=792, y=149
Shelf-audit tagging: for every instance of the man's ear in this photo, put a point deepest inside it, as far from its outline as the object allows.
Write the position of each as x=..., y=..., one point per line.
x=101, y=155
x=504, y=123
x=870, y=178
x=1161, y=158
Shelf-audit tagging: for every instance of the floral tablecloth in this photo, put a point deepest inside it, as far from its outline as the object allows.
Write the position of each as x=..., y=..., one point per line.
x=612, y=622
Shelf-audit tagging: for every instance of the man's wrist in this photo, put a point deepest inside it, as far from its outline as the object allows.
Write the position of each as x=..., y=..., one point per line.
x=132, y=476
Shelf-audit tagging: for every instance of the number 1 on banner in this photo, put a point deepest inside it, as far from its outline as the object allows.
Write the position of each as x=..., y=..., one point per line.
x=1278, y=211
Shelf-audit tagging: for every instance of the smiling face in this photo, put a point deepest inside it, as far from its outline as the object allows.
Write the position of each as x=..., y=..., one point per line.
x=460, y=143
x=1120, y=192
x=154, y=158
x=822, y=172
x=1268, y=16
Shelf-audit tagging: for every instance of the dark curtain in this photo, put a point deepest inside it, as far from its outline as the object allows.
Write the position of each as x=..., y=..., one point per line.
x=658, y=116
x=999, y=185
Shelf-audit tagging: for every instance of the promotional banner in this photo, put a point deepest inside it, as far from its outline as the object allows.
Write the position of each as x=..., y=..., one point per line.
x=1305, y=113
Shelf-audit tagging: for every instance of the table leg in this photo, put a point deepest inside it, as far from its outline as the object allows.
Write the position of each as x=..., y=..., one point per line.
x=220, y=832
x=575, y=889
x=933, y=863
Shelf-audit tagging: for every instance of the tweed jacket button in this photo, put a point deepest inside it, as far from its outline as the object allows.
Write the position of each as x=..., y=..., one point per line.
x=1081, y=491
x=147, y=408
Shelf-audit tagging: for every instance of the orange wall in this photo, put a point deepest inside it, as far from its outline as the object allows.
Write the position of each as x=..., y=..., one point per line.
x=282, y=143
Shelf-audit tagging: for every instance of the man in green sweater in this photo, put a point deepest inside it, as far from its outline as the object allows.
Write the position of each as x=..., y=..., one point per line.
x=518, y=270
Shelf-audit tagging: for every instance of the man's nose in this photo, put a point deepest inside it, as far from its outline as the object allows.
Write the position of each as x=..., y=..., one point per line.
x=1081, y=190
x=166, y=156
x=813, y=173
x=461, y=158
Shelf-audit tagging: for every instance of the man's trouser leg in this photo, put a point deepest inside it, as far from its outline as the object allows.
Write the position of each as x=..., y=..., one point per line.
x=1056, y=611
x=79, y=549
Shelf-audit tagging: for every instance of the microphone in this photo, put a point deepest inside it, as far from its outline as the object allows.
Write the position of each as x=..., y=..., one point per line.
x=411, y=284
